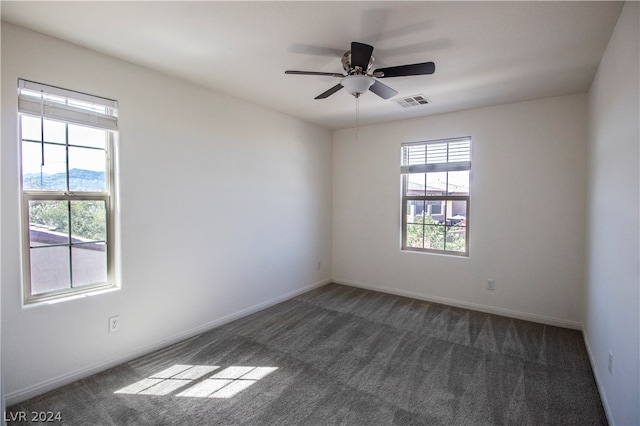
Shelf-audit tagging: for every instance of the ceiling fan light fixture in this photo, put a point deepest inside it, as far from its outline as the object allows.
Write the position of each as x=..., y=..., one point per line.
x=357, y=84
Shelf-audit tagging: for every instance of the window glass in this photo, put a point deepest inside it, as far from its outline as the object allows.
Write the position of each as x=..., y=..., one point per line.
x=88, y=221
x=436, y=183
x=89, y=264
x=48, y=222
x=86, y=136
x=52, y=176
x=458, y=183
x=54, y=132
x=49, y=269
x=416, y=184
x=87, y=169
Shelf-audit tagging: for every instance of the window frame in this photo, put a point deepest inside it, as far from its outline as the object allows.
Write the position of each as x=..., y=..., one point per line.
x=444, y=199
x=107, y=196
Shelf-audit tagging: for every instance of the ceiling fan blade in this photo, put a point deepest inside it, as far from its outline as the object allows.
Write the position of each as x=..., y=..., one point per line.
x=307, y=49
x=360, y=55
x=330, y=74
x=406, y=70
x=329, y=92
x=382, y=90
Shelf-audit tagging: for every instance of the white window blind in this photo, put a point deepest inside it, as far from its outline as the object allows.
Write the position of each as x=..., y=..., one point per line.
x=66, y=105
x=437, y=156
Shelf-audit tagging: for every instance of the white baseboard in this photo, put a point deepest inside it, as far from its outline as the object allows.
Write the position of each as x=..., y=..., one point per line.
x=601, y=391
x=466, y=305
x=56, y=382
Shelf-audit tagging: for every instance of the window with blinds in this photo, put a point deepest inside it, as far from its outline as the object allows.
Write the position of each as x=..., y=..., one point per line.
x=435, y=196
x=66, y=140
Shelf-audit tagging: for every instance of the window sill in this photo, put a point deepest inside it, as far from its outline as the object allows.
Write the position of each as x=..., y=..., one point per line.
x=436, y=253
x=62, y=299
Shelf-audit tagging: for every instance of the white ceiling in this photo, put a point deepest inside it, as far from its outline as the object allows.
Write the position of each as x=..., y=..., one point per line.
x=486, y=53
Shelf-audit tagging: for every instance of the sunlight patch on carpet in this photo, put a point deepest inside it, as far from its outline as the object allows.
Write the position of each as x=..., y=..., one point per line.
x=194, y=381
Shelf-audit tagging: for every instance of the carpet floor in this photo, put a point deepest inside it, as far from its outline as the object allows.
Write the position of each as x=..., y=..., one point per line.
x=348, y=356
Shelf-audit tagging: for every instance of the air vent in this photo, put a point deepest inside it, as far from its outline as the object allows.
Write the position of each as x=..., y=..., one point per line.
x=413, y=101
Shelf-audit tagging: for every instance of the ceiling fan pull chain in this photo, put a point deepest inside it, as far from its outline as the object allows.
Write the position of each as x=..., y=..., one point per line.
x=357, y=116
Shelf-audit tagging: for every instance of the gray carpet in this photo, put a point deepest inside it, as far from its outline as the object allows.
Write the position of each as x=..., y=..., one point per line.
x=341, y=355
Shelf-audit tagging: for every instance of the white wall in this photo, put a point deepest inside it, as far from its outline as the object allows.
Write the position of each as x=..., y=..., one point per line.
x=2, y=397
x=526, y=211
x=612, y=294
x=224, y=207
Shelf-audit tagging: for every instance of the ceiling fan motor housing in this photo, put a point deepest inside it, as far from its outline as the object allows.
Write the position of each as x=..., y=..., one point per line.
x=346, y=65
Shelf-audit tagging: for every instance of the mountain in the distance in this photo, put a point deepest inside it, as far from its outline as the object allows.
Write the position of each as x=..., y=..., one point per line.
x=79, y=180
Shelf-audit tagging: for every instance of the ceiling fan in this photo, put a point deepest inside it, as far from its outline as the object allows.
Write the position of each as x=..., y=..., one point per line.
x=359, y=78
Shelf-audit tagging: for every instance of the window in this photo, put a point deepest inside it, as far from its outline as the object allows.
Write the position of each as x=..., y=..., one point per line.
x=435, y=196
x=66, y=139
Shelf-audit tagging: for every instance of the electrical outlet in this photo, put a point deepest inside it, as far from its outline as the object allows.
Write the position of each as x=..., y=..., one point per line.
x=114, y=324
x=491, y=284
x=610, y=366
